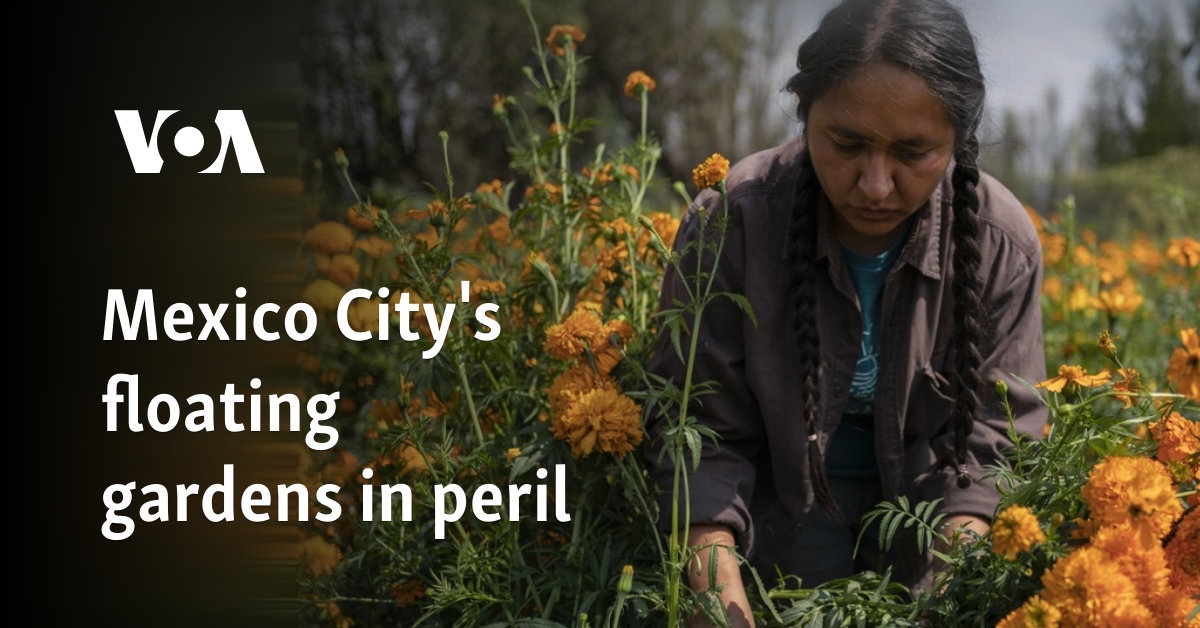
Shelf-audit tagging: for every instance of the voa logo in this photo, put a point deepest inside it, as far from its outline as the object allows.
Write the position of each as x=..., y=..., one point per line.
x=180, y=143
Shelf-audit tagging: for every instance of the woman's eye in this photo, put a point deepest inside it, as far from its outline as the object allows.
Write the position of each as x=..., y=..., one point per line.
x=911, y=156
x=845, y=147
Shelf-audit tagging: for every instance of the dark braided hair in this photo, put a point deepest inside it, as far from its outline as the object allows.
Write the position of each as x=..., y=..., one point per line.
x=931, y=39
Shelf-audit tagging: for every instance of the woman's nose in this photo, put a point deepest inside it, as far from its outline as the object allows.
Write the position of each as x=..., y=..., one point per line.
x=875, y=178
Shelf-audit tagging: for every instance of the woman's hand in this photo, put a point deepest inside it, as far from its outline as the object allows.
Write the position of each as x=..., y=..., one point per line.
x=707, y=539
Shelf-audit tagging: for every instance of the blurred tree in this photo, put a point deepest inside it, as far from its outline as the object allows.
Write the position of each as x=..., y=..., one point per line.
x=1148, y=102
x=384, y=77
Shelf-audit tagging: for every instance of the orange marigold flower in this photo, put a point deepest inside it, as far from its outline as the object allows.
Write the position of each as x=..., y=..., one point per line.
x=1034, y=613
x=322, y=294
x=563, y=37
x=572, y=384
x=1128, y=387
x=1071, y=378
x=638, y=83
x=329, y=237
x=1184, y=251
x=362, y=217
x=1183, y=553
x=568, y=339
x=1174, y=608
x=1036, y=217
x=374, y=246
x=498, y=103
x=1054, y=247
x=1145, y=253
x=1015, y=530
x=1133, y=490
x=1089, y=590
x=363, y=314
x=1183, y=370
x=1178, y=440
x=603, y=419
x=319, y=556
x=407, y=592
x=710, y=172
x=1122, y=298
x=1144, y=565
x=343, y=269
x=1112, y=262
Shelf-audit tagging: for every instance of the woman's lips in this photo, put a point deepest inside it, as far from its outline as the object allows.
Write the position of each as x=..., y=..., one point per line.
x=875, y=215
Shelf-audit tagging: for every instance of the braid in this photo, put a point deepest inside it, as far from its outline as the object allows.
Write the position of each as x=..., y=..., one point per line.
x=968, y=311
x=801, y=250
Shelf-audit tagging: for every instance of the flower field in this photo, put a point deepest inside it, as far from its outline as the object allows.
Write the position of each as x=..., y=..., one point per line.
x=520, y=312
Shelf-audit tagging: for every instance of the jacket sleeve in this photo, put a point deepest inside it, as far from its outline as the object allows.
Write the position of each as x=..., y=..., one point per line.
x=719, y=489
x=1013, y=351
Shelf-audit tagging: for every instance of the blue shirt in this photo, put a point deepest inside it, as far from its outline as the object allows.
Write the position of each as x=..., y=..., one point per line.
x=852, y=450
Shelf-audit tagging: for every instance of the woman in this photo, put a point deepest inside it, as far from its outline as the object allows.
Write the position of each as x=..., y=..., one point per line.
x=893, y=285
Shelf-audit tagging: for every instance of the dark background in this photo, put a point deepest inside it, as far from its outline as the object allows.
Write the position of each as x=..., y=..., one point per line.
x=86, y=224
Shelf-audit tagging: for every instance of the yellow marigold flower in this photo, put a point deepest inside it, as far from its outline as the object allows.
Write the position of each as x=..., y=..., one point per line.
x=1178, y=440
x=319, y=556
x=343, y=269
x=329, y=237
x=1122, y=298
x=1015, y=530
x=1071, y=378
x=1089, y=590
x=322, y=294
x=512, y=454
x=710, y=172
x=1079, y=299
x=1144, y=565
x=1183, y=553
x=638, y=83
x=1034, y=613
x=1133, y=490
x=498, y=103
x=362, y=217
x=564, y=36
x=1128, y=387
x=603, y=419
x=1183, y=370
x=1184, y=251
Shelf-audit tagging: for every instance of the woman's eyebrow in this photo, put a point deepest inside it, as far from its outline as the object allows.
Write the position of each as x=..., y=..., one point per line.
x=907, y=143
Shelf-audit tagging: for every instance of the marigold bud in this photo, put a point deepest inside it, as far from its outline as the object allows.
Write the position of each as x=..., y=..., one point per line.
x=625, y=584
x=1001, y=387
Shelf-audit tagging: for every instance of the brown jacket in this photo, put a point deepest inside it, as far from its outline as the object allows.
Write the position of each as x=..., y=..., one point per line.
x=756, y=476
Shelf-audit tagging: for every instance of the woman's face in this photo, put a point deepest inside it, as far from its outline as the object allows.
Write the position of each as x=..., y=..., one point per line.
x=880, y=142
